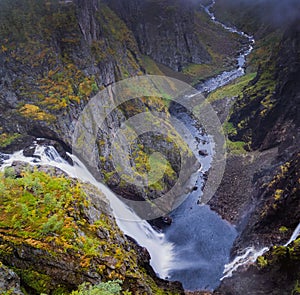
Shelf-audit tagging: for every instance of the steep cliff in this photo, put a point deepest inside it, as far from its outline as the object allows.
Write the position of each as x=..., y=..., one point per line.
x=260, y=188
x=264, y=120
x=268, y=113
x=57, y=233
x=49, y=73
x=165, y=30
x=267, y=117
x=180, y=35
x=54, y=56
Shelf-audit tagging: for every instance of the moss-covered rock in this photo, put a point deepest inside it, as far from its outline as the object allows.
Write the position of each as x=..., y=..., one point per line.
x=57, y=233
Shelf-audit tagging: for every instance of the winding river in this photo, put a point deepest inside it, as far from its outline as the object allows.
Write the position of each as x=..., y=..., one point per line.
x=201, y=239
x=195, y=248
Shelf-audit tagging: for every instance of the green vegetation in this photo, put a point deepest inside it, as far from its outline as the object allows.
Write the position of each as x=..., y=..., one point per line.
x=262, y=261
x=264, y=47
x=151, y=66
x=296, y=290
x=154, y=169
x=235, y=147
x=212, y=36
x=233, y=89
x=108, y=288
x=51, y=76
x=283, y=255
x=47, y=213
x=7, y=139
x=229, y=129
x=279, y=188
x=199, y=72
x=283, y=229
x=37, y=281
x=49, y=216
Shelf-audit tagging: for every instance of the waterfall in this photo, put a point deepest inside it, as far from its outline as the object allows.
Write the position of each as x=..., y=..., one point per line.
x=250, y=255
x=160, y=250
x=294, y=235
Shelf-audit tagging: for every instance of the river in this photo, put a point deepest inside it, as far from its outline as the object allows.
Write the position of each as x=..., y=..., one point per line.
x=195, y=248
x=201, y=239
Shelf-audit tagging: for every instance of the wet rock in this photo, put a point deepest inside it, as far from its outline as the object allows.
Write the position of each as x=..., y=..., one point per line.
x=203, y=153
x=9, y=281
x=60, y=147
x=3, y=157
x=29, y=151
x=167, y=220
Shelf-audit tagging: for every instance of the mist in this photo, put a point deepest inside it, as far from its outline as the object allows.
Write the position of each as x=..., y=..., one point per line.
x=276, y=12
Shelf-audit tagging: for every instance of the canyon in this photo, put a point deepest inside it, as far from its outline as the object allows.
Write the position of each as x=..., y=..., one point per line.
x=56, y=55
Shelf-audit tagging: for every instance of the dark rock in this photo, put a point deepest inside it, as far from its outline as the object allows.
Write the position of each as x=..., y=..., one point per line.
x=278, y=274
x=18, y=144
x=165, y=31
x=279, y=125
x=203, y=153
x=9, y=281
x=167, y=220
x=29, y=151
x=3, y=157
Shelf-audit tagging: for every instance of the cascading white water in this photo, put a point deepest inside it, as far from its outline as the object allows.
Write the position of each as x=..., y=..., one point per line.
x=250, y=255
x=294, y=236
x=155, y=242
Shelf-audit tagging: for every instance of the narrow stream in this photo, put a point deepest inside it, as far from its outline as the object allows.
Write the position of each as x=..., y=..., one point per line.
x=227, y=76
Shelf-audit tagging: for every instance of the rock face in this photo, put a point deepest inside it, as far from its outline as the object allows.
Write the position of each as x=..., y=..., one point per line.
x=9, y=281
x=274, y=273
x=42, y=94
x=165, y=30
x=176, y=33
x=266, y=211
x=61, y=233
x=271, y=118
x=87, y=47
x=48, y=75
x=267, y=120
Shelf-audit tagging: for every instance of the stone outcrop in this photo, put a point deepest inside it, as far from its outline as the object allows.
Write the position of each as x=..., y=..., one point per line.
x=62, y=233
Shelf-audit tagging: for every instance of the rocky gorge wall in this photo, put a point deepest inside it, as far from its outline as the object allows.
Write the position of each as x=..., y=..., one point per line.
x=260, y=189
x=54, y=57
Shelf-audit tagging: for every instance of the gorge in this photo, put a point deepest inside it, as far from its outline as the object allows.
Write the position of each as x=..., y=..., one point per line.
x=49, y=75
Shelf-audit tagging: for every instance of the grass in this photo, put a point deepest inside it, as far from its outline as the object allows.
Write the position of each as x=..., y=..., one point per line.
x=151, y=66
x=235, y=147
x=47, y=212
x=233, y=89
